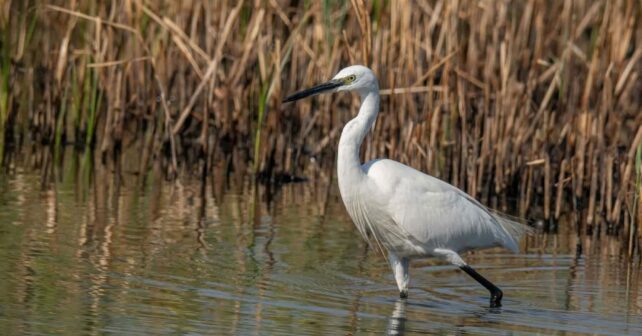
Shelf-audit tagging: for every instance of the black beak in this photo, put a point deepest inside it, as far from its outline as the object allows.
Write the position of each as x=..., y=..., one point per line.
x=333, y=84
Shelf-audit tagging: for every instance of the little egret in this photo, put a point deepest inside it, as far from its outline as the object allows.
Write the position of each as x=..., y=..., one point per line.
x=411, y=214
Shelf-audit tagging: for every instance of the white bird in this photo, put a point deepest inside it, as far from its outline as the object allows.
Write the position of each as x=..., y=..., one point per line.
x=409, y=213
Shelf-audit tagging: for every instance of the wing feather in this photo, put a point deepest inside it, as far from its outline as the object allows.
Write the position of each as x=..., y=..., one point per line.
x=436, y=214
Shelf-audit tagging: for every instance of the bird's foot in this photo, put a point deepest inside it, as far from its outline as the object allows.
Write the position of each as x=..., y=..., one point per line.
x=403, y=294
x=496, y=298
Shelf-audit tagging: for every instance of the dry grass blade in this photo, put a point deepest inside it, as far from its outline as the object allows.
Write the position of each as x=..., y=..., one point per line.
x=211, y=69
x=118, y=62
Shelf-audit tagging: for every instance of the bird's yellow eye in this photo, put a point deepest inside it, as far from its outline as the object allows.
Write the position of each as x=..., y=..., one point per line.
x=350, y=79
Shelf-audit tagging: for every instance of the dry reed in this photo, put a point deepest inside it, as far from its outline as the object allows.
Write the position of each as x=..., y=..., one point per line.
x=528, y=105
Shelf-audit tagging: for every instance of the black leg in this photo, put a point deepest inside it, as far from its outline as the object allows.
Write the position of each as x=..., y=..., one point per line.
x=495, y=293
x=403, y=294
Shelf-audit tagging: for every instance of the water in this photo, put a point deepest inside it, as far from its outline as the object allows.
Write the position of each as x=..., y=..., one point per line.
x=112, y=257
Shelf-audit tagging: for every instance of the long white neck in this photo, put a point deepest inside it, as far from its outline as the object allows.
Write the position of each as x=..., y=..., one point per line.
x=349, y=165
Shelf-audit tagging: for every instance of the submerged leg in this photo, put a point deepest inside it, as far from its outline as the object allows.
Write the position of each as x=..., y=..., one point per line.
x=454, y=258
x=400, y=269
x=495, y=293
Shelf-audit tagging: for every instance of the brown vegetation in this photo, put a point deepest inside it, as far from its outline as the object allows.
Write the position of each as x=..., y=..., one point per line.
x=530, y=105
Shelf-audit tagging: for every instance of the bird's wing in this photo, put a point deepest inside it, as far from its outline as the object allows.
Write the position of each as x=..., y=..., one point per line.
x=437, y=214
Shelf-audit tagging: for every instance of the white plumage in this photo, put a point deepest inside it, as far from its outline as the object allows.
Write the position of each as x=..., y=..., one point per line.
x=428, y=213
x=402, y=210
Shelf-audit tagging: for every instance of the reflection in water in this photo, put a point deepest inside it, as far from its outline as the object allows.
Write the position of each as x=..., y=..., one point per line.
x=118, y=255
x=397, y=322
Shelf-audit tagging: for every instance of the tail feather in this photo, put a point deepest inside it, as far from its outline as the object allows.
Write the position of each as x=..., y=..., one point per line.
x=514, y=228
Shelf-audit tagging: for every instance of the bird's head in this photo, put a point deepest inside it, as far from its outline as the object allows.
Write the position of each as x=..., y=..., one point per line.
x=353, y=78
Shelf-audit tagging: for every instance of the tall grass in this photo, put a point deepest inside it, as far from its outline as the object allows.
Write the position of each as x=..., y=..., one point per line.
x=527, y=105
x=5, y=74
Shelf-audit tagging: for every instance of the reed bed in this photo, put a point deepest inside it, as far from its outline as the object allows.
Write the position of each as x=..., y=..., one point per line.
x=531, y=106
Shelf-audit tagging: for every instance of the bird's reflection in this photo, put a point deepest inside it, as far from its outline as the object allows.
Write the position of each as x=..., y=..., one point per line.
x=397, y=322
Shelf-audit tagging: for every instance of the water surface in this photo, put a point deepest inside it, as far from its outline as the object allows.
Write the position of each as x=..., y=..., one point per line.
x=113, y=255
